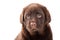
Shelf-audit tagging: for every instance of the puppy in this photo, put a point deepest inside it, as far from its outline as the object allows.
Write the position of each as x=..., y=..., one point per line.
x=35, y=20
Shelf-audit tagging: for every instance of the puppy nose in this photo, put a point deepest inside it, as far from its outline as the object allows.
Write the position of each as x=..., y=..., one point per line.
x=33, y=23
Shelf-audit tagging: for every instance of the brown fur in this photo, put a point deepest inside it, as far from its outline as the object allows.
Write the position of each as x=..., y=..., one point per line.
x=45, y=32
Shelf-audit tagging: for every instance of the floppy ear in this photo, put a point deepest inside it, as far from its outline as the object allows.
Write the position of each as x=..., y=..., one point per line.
x=47, y=15
x=22, y=16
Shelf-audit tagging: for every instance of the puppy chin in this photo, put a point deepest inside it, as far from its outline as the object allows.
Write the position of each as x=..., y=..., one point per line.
x=34, y=33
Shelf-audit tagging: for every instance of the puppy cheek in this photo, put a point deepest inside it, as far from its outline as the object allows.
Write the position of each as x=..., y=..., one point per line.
x=41, y=30
x=26, y=23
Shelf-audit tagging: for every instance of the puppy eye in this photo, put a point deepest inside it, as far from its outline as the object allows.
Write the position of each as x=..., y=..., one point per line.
x=28, y=17
x=39, y=16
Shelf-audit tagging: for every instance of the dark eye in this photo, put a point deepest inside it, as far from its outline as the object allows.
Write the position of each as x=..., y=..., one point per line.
x=39, y=16
x=28, y=17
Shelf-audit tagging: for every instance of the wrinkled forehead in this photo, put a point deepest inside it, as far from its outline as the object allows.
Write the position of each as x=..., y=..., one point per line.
x=33, y=10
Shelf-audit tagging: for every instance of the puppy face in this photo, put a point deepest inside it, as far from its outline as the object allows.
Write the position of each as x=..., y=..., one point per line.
x=34, y=20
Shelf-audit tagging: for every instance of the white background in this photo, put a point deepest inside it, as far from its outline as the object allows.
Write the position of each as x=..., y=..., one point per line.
x=10, y=11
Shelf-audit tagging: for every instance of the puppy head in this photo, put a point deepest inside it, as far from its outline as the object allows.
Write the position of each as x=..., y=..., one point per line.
x=34, y=17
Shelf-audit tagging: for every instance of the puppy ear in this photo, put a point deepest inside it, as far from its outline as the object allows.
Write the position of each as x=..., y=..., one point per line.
x=47, y=15
x=22, y=16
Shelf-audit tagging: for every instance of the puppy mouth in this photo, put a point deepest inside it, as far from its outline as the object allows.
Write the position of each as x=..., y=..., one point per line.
x=35, y=30
x=33, y=26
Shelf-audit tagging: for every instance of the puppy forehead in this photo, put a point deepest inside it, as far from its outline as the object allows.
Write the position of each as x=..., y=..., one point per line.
x=33, y=8
x=34, y=11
